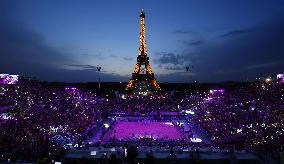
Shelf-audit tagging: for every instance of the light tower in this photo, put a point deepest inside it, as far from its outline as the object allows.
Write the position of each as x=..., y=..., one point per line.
x=142, y=81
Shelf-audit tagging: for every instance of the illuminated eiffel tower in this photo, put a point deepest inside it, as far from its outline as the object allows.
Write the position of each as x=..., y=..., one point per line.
x=142, y=81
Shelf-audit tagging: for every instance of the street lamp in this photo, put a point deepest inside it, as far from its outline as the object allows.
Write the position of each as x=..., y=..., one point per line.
x=99, y=70
x=189, y=69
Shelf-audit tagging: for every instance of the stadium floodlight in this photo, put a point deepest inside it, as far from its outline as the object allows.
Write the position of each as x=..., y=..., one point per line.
x=267, y=80
x=189, y=112
x=106, y=125
x=93, y=152
x=195, y=140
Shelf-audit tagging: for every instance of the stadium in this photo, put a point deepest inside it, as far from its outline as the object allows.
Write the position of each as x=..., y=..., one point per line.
x=140, y=119
x=63, y=123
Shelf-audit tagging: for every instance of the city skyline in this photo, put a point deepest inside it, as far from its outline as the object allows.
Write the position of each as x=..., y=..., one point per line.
x=67, y=40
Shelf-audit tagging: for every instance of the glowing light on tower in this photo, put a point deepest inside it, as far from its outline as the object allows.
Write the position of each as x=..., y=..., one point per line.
x=142, y=81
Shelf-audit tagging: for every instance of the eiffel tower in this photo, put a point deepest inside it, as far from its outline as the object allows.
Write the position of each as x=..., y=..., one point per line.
x=142, y=81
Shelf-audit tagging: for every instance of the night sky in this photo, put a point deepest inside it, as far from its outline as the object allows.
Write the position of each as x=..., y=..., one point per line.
x=65, y=40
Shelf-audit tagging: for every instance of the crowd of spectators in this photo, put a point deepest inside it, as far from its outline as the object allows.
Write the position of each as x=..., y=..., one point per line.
x=40, y=121
x=249, y=118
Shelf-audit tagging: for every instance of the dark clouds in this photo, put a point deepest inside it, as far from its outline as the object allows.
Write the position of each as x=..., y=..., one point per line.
x=237, y=32
x=230, y=54
x=24, y=51
x=81, y=66
x=86, y=75
x=173, y=63
x=237, y=55
x=193, y=43
x=174, y=67
x=258, y=50
x=169, y=58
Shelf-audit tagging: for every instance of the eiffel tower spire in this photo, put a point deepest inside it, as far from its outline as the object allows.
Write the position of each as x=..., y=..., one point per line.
x=142, y=81
x=142, y=48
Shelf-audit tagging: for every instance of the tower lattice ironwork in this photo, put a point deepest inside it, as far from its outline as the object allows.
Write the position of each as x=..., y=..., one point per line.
x=142, y=81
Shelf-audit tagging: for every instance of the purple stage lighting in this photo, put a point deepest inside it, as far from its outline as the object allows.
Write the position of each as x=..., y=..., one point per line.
x=68, y=88
x=280, y=78
x=8, y=79
x=216, y=91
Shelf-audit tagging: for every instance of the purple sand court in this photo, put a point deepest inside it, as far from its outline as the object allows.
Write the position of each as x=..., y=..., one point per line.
x=162, y=131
